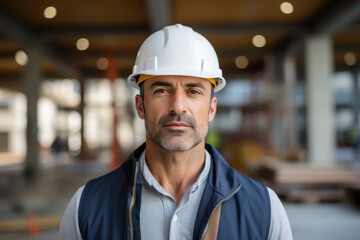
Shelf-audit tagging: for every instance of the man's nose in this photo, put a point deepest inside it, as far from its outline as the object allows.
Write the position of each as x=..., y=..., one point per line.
x=178, y=104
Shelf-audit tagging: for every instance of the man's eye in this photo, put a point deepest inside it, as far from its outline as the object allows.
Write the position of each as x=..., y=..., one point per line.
x=194, y=92
x=160, y=91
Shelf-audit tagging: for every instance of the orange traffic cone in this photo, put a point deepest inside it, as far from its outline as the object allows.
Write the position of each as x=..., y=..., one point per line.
x=32, y=225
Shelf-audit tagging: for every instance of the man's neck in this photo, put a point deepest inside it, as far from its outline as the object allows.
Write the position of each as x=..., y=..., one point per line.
x=175, y=171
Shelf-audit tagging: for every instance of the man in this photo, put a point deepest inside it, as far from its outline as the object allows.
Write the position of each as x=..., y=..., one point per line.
x=175, y=186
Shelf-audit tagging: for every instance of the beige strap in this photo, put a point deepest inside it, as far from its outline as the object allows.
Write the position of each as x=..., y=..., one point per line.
x=214, y=225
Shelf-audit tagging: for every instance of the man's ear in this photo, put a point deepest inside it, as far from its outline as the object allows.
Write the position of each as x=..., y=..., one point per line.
x=139, y=106
x=212, y=110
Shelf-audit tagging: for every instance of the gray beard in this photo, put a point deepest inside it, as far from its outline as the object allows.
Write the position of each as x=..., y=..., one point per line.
x=162, y=139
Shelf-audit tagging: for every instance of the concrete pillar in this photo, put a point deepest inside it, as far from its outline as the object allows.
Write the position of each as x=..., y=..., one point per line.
x=356, y=101
x=275, y=72
x=84, y=152
x=289, y=104
x=356, y=108
x=320, y=109
x=31, y=80
x=269, y=80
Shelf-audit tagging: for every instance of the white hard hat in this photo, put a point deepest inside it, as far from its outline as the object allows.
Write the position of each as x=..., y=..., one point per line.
x=177, y=50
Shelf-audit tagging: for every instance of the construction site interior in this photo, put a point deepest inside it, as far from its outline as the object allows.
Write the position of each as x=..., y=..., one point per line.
x=289, y=115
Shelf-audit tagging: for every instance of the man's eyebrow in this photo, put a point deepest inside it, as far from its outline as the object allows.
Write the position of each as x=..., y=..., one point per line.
x=191, y=85
x=161, y=84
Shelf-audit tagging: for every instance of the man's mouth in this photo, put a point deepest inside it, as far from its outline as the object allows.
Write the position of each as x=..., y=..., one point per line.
x=177, y=125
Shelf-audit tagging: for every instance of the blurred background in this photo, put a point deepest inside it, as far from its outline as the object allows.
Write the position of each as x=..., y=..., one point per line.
x=289, y=115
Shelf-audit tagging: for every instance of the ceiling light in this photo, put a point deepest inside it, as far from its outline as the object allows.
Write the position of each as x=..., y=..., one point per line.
x=21, y=58
x=50, y=12
x=350, y=59
x=102, y=63
x=259, y=41
x=286, y=8
x=82, y=44
x=241, y=62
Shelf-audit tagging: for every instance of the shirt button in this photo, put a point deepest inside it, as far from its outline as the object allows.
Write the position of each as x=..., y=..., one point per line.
x=175, y=218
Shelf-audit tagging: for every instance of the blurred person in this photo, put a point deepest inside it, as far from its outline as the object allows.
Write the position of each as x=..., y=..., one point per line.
x=175, y=186
x=59, y=146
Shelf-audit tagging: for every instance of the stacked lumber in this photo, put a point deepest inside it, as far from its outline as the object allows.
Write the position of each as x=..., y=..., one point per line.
x=306, y=182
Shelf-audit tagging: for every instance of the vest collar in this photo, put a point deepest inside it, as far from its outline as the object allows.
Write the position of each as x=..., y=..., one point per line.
x=222, y=177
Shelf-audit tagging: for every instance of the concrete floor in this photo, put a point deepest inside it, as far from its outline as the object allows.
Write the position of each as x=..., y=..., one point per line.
x=324, y=221
x=49, y=196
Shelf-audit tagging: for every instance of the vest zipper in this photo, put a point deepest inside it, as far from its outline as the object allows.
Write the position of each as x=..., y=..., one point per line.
x=132, y=203
x=217, y=205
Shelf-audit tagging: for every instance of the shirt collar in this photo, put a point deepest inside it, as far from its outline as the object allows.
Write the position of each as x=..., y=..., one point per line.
x=151, y=181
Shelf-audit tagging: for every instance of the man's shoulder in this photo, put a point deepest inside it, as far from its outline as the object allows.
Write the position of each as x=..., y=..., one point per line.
x=111, y=185
x=123, y=174
x=249, y=180
x=120, y=174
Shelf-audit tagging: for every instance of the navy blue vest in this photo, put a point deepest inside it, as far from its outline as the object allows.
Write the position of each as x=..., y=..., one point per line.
x=104, y=210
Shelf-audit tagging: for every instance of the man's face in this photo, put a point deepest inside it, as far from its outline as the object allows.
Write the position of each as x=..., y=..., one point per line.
x=177, y=111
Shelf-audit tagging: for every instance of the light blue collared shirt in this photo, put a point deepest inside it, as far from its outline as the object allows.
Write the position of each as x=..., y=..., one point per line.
x=160, y=218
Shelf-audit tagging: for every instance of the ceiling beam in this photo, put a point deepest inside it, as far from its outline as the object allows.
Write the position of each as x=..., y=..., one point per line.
x=159, y=12
x=272, y=28
x=11, y=82
x=12, y=27
x=346, y=48
x=50, y=34
x=15, y=29
x=337, y=16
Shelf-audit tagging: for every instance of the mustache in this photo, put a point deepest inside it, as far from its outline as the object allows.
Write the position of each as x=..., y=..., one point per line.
x=187, y=119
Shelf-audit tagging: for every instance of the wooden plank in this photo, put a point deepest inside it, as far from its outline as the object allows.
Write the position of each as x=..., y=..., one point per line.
x=21, y=225
x=283, y=173
x=308, y=183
